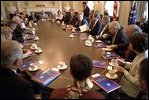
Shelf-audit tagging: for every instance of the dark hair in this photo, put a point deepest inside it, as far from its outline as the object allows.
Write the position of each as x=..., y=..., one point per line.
x=139, y=42
x=84, y=3
x=81, y=67
x=143, y=72
x=21, y=13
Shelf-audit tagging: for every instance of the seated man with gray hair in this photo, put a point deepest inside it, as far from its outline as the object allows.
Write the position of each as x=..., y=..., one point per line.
x=12, y=85
x=114, y=36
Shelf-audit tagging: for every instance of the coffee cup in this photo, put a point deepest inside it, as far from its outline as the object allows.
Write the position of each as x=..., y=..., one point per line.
x=88, y=42
x=36, y=38
x=114, y=61
x=34, y=45
x=35, y=24
x=39, y=49
x=112, y=72
x=61, y=64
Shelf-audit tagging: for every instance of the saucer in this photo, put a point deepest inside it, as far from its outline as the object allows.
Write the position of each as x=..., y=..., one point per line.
x=89, y=45
x=33, y=48
x=36, y=51
x=98, y=41
x=108, y=76
x=55, y=69
x=36, y=38
x=35, y=68
x=111, y=64
x=71, y=36
x=107, y=49
x=62, y=68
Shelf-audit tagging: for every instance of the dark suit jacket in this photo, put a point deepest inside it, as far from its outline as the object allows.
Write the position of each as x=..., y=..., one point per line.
x=96, y=29
x=17, y=35
x=120, y=41
x=73, y=20
x=14, y=87
x=84, y=21
x=65, y=19
x=61, y=93
x=86, y=12
x=144, y=27
x=31, y=18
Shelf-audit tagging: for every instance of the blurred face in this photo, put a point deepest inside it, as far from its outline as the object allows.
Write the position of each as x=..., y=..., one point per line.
x=84, y=5
x=103, y=22
x=112, y=29
x=142, y=20
x=32, y=13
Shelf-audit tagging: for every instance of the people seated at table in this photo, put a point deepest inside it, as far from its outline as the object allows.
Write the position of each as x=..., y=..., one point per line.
x=95, y=25
x=130, y=30
x=32, y=17
x=44, y=16
x=114, y=37
x=98, y=15
x=65, y=18
x=59, y=16
x=143, y=76
x=80, y=68
x=142, y=23
x=13, y=31
x=81, y=21
x=12, y=85
x=91, y=14
x=7, y=30
x=105, y=21
x=130, y=86
x=7, y=34
x=73, y=17
x=18, y=18
x=145, y=30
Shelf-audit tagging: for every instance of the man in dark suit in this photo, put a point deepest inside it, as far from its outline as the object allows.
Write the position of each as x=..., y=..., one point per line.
x=65, y=17
x=115, y=38
x=95, y=26
x=13, y=86
x=86, y=11
x=33, y=17
x=80, y=22
x=73, y=17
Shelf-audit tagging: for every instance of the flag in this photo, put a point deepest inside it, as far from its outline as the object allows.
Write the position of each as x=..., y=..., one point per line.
x=115, y=10
x=132, y=14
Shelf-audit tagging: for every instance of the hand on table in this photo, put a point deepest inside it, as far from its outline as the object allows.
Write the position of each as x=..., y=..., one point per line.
x=119, y=68
x=112, y=46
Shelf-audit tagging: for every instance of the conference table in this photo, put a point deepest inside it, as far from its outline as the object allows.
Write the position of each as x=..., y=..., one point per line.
x=58, y=46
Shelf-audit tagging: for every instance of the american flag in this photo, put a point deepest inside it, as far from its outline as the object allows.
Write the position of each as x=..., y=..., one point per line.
x=115, y=10
x=132, y=15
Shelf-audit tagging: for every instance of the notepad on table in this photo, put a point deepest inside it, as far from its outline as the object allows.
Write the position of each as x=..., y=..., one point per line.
x=46, y=77
x=106, y=84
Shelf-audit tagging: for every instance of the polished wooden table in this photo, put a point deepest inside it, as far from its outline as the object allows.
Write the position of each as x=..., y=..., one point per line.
x=57, y=46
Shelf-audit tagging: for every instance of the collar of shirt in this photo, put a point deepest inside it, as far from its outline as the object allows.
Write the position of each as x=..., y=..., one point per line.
x=14, y=71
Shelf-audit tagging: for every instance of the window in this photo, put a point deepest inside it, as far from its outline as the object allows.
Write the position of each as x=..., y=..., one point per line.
x=146, y=11
x=90, y=4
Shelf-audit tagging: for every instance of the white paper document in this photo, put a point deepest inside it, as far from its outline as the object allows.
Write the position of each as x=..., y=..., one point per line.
x=83, y=28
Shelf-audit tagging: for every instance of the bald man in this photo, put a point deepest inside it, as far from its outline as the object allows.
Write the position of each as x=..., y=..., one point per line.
x=13, y=86
x=129, y=31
